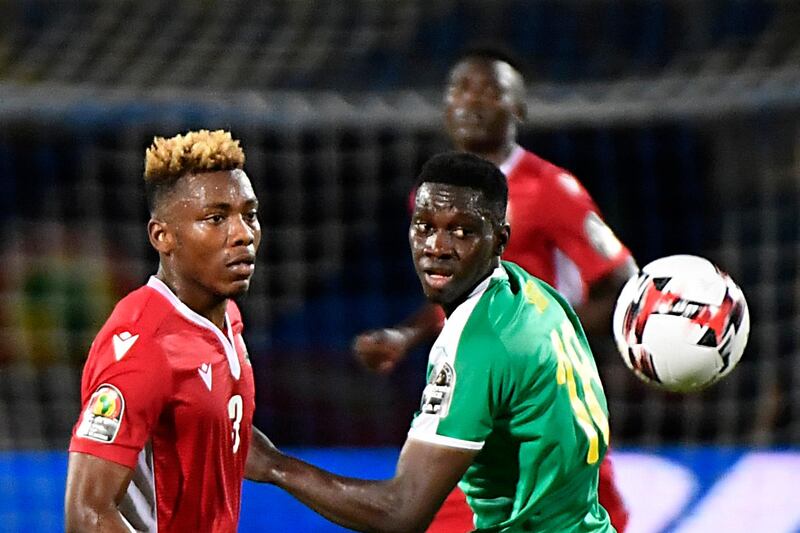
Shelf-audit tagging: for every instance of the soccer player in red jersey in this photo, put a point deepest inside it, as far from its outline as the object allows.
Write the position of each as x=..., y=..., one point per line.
x=168, y=394
x=557, y=234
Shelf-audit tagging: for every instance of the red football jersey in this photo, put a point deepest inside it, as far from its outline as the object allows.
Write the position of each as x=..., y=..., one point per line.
x=557, y=233
x=169, y=395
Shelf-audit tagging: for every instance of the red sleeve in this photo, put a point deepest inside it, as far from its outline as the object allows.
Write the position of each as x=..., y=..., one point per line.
x=122, y=400
x=440, y=316
x=579, y=231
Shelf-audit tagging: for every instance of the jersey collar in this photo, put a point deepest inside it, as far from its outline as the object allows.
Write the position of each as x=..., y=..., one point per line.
x=198, y=319
x=469, y=303
x=511, y=161
x=497, y=273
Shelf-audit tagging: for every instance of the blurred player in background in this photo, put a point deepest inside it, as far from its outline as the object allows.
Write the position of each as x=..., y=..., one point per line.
x=167, y=390
x=558, y=233
x=513, y=405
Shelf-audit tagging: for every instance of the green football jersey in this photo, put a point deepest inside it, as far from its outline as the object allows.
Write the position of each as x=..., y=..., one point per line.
x=511, y=375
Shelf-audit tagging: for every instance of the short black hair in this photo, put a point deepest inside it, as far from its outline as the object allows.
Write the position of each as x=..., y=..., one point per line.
x=468, y=170
x=492, y=51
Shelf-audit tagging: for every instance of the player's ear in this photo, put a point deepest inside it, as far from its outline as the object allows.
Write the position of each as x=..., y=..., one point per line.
x=161, y=238
x=521, y=110
x=503, y=235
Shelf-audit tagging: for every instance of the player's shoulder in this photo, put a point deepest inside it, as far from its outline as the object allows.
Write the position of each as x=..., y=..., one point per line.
x=496, y=316
x=526, y=308
x=532, y=164
x=556, y=178
x=133, y=325
x=144, y=307
x=510, y=328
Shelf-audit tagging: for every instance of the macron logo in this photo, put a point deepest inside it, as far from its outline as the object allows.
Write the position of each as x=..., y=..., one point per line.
x=122, y=343
x=205, y=374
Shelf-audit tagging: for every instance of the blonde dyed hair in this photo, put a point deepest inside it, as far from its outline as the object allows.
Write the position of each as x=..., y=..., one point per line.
x=168, y=159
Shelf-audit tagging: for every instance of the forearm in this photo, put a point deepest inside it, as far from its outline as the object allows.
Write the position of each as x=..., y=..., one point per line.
x=597, y=311
x=356, y=504
x=107, y=520
x=424, y=325
x=596, y=315
x=361, y=505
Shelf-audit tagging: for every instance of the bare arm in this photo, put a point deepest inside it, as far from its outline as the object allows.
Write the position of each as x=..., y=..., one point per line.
x=256, y=468
x=596, y=312
x=425, y=475
x=382, y=349
x=94, y=489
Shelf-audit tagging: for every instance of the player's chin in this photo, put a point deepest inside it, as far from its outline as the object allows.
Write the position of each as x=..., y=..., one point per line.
x=436, y=295
x=236, y=288
x=479, y=141
x=469, y=138
x=433, y=296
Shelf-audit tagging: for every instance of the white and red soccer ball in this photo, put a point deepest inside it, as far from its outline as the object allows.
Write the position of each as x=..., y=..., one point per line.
x=681, y=323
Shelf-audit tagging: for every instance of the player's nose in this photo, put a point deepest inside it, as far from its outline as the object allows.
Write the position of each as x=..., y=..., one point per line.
x=439, y=243
x=242, y=233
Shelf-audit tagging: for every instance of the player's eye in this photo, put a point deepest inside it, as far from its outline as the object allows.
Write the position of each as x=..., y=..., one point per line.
x=422, y=227
x=462, y=233
x=251, y=216
x=458, y=87
x=215, y=218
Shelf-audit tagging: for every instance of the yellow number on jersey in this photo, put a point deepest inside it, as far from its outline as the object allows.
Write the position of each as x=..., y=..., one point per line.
x=573, y=359
x=533, y=295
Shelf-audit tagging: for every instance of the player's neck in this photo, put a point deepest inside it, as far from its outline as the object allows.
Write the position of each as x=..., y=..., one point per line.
x=497, y=155
x=196, y=298
x=450, y=307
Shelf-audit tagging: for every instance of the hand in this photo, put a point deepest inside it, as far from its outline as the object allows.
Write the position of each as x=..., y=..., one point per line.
x=380, y=350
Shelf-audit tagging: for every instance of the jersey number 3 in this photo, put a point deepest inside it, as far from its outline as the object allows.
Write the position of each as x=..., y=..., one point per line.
x=235, y=406
x=572, y=360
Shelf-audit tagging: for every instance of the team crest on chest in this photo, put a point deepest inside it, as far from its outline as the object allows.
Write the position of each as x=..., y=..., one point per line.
x=439, y=391
x=103, y=415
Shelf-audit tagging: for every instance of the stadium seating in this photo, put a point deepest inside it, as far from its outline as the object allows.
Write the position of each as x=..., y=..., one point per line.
x=371, y=45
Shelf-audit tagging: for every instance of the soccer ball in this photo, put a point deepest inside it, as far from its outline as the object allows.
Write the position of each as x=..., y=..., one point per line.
x=681, y=323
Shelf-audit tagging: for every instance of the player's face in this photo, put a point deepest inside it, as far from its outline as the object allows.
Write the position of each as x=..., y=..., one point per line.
x=213, y=217
x=482, y=104
x=453, y=242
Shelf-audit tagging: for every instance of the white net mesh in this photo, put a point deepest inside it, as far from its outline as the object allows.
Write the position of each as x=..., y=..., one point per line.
x=334, y=193
x=685, y=136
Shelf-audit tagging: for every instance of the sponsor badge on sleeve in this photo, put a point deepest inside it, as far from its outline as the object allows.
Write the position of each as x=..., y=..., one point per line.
x=102, y=416
x=439, y=391
x=601, y=236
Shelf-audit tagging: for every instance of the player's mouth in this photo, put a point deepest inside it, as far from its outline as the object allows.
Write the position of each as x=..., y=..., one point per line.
x=468, y=119
x=437, y=278
x=242, y=265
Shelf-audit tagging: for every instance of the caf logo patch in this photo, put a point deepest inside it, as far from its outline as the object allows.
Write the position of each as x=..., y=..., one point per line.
x=600, y=235
x=439, y=390
x=103, y=414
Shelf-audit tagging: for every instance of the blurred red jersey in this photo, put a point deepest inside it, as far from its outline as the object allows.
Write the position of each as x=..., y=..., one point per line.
x=557, y=233
x=170, y=396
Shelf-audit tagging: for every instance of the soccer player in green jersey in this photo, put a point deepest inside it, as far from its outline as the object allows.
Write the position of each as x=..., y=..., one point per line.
x=513, y=408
